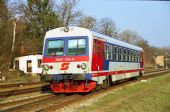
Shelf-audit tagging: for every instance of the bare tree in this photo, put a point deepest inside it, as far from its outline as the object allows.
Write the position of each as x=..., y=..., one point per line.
x=68, y=13
x=107, y=27
x=87, y=22
x=130, y=36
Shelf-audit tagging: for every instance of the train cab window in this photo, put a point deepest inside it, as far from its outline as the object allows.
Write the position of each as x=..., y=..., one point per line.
x=115, y=53
x=55, y=47
x=124, y=54
x=76, y=46
x=128, y=55
x=120, y=54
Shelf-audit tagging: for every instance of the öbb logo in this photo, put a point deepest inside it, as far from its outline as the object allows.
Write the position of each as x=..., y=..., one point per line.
x=64, y=66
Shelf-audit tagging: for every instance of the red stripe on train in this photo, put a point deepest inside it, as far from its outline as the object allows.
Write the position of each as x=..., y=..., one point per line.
x=65, y=59
x=115, y=72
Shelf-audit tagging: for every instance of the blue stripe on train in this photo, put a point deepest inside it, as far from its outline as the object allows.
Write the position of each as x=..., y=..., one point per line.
x=106, y=65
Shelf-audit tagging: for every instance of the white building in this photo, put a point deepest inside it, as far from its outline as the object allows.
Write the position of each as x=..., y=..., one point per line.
x=29, y=64
x=163, y=61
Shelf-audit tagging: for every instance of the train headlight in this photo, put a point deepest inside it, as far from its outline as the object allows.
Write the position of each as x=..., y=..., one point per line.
x=66, y=29
x=46, y=67
x=83, y=65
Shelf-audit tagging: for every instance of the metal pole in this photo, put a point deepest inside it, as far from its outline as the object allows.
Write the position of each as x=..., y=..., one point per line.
x=166, y=54
x=166, y=62
x=156, y=67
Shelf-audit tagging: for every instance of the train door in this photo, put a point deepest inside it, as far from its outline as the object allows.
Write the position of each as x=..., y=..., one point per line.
x=142, y=60
x=98, y=55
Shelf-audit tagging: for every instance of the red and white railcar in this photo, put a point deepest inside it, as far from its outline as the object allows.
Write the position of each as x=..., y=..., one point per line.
x=79, y=60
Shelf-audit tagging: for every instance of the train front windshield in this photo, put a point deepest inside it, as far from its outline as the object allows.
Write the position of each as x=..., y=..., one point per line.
x=59, y=47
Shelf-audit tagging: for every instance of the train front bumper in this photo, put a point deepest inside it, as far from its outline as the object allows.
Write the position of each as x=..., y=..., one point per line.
x=71, y=86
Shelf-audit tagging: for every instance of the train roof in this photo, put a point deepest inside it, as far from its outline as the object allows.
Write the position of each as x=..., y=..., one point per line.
x=116, y=41
x=84, y=32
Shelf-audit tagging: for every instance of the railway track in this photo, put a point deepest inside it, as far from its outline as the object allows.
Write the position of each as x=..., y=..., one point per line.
x=153, y=70
x=24, y=88
x=51, y=102
x=17, y=89
x=18, y=84
x=39, y=103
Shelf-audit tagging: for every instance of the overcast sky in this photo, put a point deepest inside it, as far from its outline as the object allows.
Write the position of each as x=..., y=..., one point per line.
x=151, y=19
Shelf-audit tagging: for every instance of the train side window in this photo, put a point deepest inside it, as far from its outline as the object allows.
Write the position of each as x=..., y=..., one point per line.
x=106, y=52
x=124, y=54
x=110, y=52
x=132, y=56
x=128, y=55
x=115, y=53
x=120, y=54
x=138, y=56
x=135, y=56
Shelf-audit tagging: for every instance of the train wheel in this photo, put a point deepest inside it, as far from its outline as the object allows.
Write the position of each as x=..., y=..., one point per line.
x=140, y=74
x=107, y=82
x=134, y=78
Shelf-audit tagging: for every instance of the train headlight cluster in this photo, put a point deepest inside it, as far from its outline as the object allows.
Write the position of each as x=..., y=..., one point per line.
x=83, y=65
x=46, y=67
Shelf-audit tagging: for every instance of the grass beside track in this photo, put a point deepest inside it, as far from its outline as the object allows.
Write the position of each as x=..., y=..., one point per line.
x=150, y=96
